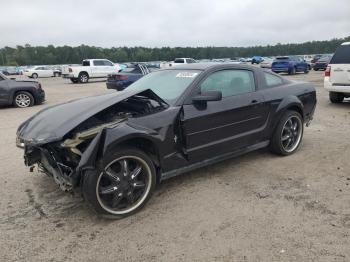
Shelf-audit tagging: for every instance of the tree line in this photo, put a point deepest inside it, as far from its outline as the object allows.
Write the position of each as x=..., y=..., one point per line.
x=51, y=55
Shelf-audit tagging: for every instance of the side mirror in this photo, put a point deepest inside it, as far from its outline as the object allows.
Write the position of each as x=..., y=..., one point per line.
x=208, y=96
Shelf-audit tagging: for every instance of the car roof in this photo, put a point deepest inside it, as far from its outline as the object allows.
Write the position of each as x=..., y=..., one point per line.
x=209, y=65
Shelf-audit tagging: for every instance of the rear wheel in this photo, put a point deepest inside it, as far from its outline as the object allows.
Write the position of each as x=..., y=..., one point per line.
x=83, y=77
x=56, y=74
x=123, y=184
x=335, y=97
x=35, y=75
x=288, y=134
x=23, y=99
x=292, y=71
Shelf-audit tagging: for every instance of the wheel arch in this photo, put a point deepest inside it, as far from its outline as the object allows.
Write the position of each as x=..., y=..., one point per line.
x=109, y=141
x=14, y=92
x=291, y=103
x=84, y=72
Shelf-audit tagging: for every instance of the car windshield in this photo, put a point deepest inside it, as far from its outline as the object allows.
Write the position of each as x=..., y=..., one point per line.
x=167, y=84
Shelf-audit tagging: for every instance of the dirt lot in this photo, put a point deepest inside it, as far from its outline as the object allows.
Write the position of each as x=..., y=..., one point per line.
x=258, y=207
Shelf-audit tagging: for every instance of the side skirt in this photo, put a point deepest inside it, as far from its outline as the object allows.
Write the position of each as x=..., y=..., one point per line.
x=213, y=160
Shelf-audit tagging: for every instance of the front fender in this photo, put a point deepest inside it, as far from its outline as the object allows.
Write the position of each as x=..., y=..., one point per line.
x=14, y=90
x=107, y=140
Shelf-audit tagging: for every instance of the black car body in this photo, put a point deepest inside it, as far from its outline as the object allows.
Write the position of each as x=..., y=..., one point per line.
x=133, y=72
x=20, y=93
x=322, y=63
x=218, y=111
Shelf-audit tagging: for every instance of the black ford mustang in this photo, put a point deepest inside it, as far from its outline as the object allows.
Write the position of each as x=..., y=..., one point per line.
x=116, y=147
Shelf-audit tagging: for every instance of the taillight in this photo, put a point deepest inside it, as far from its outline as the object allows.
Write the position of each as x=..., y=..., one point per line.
x=70, y=70
x=122, y=77
x=327, y=72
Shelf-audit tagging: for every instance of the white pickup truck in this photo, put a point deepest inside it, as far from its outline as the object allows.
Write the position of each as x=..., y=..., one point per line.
x=90, y=68
x=178, y=61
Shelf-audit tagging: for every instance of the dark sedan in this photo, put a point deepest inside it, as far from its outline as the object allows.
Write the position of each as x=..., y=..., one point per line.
x=127, y=76
x=322, y=63
x=20, y=93
x=117, y=146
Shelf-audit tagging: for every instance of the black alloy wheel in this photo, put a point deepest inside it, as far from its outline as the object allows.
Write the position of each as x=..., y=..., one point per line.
x=123, y=186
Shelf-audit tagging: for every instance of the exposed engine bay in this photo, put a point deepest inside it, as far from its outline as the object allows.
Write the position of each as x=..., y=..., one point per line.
x=61, y=158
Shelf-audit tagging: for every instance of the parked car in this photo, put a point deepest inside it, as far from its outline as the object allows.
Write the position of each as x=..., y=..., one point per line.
x=116, y=146
x=10, y=71
x=182, y=61
x=322, y=63
x=290, y=65
x=337, y=74
x=257, y=59
x=41, y=71
x=127, y=76
x=266, y=63
x=315, y=59
x=307, y=58
x=20, y=93
x=90, y=68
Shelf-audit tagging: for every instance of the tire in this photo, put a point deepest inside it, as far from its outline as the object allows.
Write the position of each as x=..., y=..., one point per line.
x=306, y=71
x=83, y=78
x=56, y=74
x=335, y=97
x=35, y=75
x=292, y=71
x=285, y=139
x=316, y=69
x=23, y=99
x=112, y=186
x=74, y=80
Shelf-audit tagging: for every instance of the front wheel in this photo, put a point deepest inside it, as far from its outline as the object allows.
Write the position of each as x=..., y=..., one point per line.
x=288, y=134
x=122, y=185
x=35, y=76
x=23, y=99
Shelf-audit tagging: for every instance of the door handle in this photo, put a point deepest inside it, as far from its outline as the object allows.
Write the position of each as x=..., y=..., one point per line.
x=254, y=101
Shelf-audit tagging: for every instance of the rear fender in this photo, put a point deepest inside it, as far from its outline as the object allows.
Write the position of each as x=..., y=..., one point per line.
x=289, y=102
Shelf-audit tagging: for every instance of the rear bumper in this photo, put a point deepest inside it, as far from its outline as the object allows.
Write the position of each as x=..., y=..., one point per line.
x=115, y=85
x=335, y=87
x=280, y=69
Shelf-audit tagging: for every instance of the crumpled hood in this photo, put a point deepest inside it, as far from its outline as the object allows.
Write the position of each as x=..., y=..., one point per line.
x=52, y=123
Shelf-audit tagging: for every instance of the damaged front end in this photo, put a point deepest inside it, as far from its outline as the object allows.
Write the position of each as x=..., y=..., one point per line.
x=62, y=158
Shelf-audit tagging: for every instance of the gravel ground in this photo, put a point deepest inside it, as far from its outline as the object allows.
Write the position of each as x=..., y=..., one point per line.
x=258, y=207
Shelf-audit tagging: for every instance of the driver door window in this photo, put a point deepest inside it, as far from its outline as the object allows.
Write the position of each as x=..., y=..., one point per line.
x=229, y=82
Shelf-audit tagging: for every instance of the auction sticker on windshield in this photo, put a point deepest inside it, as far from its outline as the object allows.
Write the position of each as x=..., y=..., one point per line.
x=187, y=74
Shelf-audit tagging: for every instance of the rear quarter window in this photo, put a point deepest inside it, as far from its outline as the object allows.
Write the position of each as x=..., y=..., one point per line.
x=341, y=55
x=272, y=80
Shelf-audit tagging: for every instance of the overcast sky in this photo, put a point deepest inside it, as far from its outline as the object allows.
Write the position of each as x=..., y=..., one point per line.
x=157, y=23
